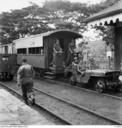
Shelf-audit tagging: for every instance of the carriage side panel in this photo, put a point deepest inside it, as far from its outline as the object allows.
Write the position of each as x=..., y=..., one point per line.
x=37, y=61
x=8, y=63
x=48, y=50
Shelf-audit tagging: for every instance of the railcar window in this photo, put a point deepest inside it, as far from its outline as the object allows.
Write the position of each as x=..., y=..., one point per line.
x=22, y=51
x=36, y=50
x=6, y=49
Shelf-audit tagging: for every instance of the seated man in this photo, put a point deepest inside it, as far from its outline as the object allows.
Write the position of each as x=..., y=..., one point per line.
x=81, y=68
x=80, y=65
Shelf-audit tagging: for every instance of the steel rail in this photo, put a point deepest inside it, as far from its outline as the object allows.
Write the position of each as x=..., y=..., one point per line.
x=81, y=88
x=79, y=107
x=36, y=105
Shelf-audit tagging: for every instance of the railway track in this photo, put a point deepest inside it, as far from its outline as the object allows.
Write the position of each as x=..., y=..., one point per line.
x=73, y=110
x=112, y=95
x=81, y=108
x=15, y=92
x=116, y=117
x=59, y=82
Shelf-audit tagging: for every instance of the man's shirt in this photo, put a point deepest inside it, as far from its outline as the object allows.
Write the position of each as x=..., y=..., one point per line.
x=25, y=74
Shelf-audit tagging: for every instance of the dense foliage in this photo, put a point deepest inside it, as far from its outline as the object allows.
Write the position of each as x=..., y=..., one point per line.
x=52, y=15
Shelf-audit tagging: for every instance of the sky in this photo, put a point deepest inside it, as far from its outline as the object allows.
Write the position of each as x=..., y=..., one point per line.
x=7, y=5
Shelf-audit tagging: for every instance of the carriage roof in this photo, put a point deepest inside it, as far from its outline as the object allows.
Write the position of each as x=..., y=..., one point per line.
x=37, y=40
x=55, y=34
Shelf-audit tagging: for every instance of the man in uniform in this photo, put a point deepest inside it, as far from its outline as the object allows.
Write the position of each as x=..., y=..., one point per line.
x=25, y=76
x=81, y=68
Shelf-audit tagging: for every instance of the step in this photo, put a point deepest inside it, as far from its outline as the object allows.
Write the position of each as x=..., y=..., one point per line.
x=49, y=73
x=50, y=77
x=52, y=68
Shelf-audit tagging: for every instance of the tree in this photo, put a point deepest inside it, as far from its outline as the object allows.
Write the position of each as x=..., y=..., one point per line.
x=35, y=19
x=107, y=32
x=18, y=23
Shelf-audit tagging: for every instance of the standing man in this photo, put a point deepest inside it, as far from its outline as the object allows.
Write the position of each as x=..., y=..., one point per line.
x=56, y=49
x=25, y=76
x=70, y=55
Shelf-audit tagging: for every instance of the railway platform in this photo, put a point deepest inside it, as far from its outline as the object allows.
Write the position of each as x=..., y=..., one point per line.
x=15, y=112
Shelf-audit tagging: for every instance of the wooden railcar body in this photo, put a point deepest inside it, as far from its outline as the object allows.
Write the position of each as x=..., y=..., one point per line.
x=7, y=66
x=38, y=49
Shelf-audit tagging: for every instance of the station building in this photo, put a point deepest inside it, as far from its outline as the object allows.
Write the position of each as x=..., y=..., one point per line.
x=111, y=16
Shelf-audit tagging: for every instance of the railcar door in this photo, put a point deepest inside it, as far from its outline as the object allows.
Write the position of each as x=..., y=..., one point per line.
x=3, y=63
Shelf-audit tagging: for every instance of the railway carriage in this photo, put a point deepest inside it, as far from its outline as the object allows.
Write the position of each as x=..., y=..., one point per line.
x=7, y=66
x=38, y=50
x=8, y=62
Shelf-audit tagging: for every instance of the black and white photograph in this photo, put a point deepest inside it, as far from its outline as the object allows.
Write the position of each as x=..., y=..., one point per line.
x=60, y=63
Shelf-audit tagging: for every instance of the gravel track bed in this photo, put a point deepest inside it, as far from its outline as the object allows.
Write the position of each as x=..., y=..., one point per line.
x=72, y=114
x=107, y=106
x=110, y=93
x=96, y=102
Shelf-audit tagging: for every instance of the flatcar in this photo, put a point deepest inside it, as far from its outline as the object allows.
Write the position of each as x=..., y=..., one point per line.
x=99, y=79
x=40, y=53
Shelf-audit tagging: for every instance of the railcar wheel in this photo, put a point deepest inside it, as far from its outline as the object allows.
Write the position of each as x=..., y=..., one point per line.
x=117, y=89
x=10, y=77
x=100, y=86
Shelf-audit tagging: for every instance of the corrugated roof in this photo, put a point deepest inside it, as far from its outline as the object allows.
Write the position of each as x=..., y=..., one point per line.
x=110, y=11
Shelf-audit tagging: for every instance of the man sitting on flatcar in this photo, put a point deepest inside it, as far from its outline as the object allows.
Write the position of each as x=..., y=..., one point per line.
x=81, y=68
x=78, y=68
